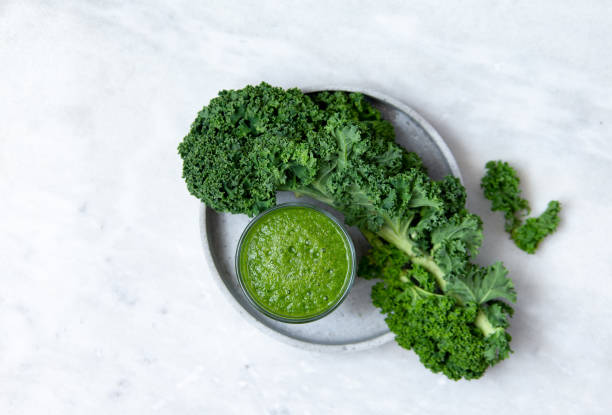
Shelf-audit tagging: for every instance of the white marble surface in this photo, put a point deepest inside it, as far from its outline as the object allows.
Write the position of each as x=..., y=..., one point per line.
x=106, y=304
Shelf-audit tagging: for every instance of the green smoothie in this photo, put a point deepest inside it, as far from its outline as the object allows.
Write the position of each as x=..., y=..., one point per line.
x=295, y=262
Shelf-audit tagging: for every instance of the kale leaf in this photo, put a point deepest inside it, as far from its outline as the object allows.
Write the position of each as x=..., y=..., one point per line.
x=501, y=187
x=335, y=147
x=529, y=235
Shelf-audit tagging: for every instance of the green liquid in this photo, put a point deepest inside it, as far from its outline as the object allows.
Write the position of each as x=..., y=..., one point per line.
x=295, y=262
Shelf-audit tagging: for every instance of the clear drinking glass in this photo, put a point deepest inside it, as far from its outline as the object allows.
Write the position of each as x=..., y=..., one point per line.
x=290, y=319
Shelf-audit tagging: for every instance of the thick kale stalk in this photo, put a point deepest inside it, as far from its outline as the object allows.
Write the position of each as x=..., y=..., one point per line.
x=334, y=147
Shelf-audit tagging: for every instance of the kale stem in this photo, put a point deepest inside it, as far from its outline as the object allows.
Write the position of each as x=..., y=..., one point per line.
x=483, y=323
x=312, y=192
x=403, y=243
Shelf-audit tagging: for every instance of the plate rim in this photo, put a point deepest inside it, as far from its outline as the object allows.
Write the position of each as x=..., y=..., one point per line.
x=372, y=342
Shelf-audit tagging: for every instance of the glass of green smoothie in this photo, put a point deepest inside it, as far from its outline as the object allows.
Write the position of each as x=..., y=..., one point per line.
x=295, y=263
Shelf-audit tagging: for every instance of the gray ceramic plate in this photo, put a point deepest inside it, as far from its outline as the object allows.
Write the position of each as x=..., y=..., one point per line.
x=356, y=324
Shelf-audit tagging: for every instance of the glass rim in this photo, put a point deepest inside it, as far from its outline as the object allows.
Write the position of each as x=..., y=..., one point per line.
x=346, y=287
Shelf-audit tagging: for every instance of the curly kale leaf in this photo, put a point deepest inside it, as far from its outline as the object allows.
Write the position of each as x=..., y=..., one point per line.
x=498, y=312
x=456, y=241
x=481, y=284
x=501, y=187
x=420, y=312
x=354, y=108
x=529, y=235
x=247, y=143
x=440, y=331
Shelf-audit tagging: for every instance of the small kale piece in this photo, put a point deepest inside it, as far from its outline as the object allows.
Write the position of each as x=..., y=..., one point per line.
x=501, y=187
x=528, y=236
